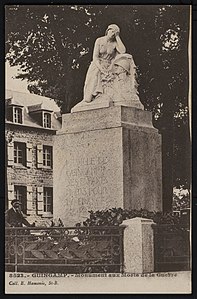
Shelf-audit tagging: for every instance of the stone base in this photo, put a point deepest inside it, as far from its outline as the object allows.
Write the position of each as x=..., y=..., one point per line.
x=104, y=158
x=129, y=103
x=101, y=102
x=104, y=101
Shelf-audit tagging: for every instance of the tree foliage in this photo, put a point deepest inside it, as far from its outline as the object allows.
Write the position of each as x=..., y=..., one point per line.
x=53, y=46
x=181, y=199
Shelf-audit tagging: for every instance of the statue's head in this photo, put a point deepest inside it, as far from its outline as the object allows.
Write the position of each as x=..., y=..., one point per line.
x=113, y=27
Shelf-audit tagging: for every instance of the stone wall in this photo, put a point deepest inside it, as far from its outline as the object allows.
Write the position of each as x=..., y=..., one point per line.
x=32, y=175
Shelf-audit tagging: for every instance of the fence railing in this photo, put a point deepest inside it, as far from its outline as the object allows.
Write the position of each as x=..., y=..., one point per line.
x=171, y=248
x=64, y=249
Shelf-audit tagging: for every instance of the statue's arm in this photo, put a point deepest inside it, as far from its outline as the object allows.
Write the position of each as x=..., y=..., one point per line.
x=96, y=52
x=119, y=45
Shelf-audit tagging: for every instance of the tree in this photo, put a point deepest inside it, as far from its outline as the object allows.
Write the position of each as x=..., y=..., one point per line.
x=46, y=42
x=53, y=46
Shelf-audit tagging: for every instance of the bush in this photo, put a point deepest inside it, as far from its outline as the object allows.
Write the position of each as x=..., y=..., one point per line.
x=115, y=216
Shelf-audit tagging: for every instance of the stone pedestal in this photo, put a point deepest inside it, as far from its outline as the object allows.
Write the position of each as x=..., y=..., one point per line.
x=138, y=246
x=104, y=158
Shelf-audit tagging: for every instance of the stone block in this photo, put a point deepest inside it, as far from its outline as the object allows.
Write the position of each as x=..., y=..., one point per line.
x=138, y=245
x=105, y=158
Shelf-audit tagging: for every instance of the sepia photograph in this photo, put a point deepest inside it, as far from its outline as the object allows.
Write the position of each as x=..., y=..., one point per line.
x=98, y=149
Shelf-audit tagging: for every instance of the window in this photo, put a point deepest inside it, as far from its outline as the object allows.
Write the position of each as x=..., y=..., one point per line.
x=47, y=120
x=48, y=200
x=47, y=156
x=20, y=193
x=18, y=115
x=19, y=153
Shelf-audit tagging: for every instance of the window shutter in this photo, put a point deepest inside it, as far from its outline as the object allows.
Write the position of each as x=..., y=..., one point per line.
x=29, y=154
x=10, y=153
x=29, y=199
x=39, y=156
x=9, y=113
x=40, y=205
x=10, y=195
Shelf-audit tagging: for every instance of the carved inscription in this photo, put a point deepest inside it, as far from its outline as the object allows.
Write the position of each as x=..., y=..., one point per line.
x=86, y=184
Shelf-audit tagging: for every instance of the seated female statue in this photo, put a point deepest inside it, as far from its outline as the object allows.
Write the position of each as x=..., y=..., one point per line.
x=99, y=75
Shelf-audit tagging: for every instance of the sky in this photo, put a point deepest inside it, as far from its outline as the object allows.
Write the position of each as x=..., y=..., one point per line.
x=10, y=82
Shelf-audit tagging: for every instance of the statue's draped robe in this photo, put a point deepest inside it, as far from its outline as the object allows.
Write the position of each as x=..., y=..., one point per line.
x=96, y=81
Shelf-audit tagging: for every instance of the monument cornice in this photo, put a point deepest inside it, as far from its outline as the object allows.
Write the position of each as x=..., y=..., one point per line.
x=106, y=118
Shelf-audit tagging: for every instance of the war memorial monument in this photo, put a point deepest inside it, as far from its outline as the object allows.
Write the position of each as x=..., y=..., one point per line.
x=107, y=153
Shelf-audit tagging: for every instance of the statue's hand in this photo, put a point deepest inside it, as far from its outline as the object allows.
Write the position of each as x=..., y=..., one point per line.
x=116, y=34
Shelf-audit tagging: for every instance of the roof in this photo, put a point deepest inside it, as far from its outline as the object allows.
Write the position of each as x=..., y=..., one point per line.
x=33, y=103
x=28, y=99
x=38, y=107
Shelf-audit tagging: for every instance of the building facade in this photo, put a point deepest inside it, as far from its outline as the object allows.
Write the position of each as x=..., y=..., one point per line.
x=31, y=123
